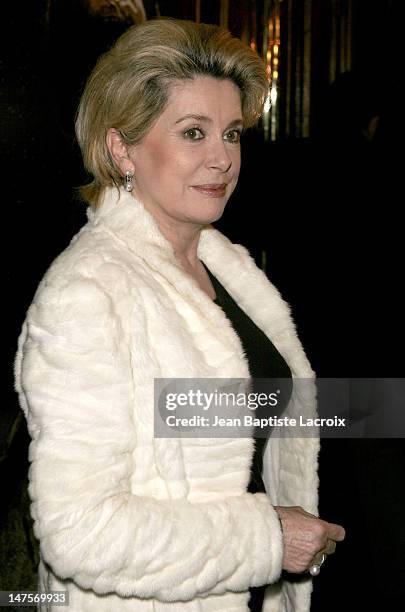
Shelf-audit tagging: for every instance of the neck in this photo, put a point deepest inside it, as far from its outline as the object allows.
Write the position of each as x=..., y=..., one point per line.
x=183, y=236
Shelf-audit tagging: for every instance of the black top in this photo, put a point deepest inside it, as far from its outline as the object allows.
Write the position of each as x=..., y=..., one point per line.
x=264, y=362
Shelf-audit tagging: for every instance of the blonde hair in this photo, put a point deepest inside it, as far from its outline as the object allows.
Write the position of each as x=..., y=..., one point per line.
x=130, y=86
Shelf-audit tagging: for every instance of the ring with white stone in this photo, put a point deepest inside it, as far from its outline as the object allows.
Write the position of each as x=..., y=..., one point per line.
x=316, y=567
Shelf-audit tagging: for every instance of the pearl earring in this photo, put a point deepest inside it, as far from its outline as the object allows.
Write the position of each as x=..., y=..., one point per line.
x=128, y=181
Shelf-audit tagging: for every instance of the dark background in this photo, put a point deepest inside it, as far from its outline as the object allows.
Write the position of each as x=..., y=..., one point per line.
x=325, y=209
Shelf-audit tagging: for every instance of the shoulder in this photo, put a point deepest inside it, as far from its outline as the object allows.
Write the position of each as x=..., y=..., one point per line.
x=92, y=258
x=87, y=280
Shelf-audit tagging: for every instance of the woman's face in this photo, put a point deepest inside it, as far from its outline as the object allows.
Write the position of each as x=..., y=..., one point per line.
x=187, y=165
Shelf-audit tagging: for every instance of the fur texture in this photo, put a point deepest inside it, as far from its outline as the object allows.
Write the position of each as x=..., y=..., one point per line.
x=127, y=521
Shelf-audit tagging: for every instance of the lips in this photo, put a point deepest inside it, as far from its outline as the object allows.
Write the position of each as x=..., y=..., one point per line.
x=213, y=190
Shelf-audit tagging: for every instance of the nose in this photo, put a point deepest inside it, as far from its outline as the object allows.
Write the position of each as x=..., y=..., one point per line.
x=219, y=157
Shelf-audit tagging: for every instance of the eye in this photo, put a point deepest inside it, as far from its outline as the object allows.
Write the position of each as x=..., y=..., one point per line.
x=233, y=136
x=194, y=133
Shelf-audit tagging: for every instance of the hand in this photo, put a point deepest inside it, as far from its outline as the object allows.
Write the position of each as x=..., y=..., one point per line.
x=306, y=538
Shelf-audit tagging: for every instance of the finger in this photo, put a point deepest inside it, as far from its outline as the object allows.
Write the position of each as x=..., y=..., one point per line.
x=330, y=547
x=318, y=559
x=316, y=564
x=336, y=532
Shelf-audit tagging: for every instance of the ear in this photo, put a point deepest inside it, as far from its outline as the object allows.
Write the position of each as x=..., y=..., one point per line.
x=119, y=151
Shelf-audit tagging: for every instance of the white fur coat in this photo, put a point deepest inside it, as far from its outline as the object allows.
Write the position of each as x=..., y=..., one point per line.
x=127, y=521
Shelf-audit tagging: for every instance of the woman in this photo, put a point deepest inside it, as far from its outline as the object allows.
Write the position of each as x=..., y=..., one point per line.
x=127, y=521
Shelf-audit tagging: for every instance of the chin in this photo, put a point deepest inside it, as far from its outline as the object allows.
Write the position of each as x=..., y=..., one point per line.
x=210, y=213
x=208, y=219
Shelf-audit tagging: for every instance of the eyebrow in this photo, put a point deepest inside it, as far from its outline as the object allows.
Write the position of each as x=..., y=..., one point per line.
x=208, y=120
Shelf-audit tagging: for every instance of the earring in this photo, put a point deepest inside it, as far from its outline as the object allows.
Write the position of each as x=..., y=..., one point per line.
x=128, y=181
